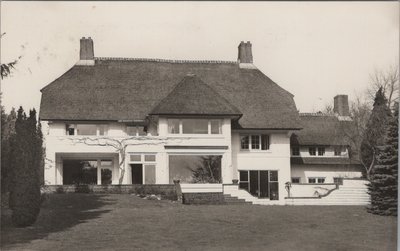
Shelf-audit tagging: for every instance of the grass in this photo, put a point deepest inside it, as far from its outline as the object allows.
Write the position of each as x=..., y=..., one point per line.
x=126, y=222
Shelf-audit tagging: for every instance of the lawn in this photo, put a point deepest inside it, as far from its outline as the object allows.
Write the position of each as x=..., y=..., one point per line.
x=126, y=222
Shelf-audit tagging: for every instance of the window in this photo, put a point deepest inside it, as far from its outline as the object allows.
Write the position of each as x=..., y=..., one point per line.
x=296, y=151
x=150, y=158
x=244, y=142
x=87, y=172
x=318, y=180
x=264, y=142
x=338, y=180
x=195, y=126
x=173, y=126
x=86, y=129
x=254, y=142
x=260, y=183
x=321, y=151
x=296, y=180
x=215, y=126
x=136, y=157
x=136, y=131
x=312, y=151
x=338, y=151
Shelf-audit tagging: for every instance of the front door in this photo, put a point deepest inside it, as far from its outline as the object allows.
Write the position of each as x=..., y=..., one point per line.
x=260, y=183
x=137, y=173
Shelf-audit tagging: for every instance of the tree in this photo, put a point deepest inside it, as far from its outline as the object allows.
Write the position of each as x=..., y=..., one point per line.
x=25, y=189
x=7, y=133
x=388, y=81
x=383, y=186
x=374, y=132
x=209, y=171
x=5, y=69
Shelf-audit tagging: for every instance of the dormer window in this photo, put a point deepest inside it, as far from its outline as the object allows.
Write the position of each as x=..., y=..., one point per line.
x=321, y=151
x=312, y=151
x=338, y=151
x=194, y=126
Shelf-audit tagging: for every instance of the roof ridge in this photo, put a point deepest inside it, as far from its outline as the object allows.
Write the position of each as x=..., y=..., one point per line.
x=167, y=60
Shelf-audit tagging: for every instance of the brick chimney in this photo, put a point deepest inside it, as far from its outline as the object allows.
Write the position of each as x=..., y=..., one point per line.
x=245, y=55
x=86, y=54
x=341, y=105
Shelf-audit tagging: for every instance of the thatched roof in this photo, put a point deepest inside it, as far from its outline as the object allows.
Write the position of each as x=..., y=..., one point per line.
x=319, y=129
x=129, y=89
x=193, y=97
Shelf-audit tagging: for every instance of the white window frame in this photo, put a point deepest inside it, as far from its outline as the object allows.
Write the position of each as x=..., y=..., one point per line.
x=260, y=143
x=144, y=163
x=97, y=129
x=291, y=180
x=208, y=128
x=317, y=180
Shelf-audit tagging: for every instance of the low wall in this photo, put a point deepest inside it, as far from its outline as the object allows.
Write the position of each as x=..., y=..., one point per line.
x=167, y=191
x=311, y=190
x=203, y=198
x=202, y=194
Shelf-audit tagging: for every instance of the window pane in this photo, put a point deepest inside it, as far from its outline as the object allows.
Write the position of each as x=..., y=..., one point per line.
x=321, y=180
x=195, y=169
x=131, y=130
x=273, y=176
x=264, y=142
x=173, y=126
x=141, y=131
x=195, y=126
x=215, y=127
x=106, y=162
x=102, y=130
x=70, y=129
x=274, y=191
x=244, y=142
x=106, y=176
x=321, y=151
x=150, y=158
x=295, y=151
x=255, y=142
x=311, y=180
x=312, y=151
x=84, y=129
x=244, y=176
x=136, y=157
x=79, y=172
x=244, y=185
x=150, y=174
x=338, y=151
x=295, y=180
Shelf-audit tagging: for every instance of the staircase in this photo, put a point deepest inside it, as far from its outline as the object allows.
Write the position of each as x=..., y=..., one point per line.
x=352, y=192
x=233, y=191
x=232, y=200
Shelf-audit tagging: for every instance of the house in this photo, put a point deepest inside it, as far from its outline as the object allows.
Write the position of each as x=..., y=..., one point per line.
x=223, y=125
x=320, y=152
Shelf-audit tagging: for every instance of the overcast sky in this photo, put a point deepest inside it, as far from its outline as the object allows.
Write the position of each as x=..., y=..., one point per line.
x=314, y=50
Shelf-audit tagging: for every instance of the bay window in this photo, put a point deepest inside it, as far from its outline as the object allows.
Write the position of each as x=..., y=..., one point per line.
x=194, y=126
x=254, y=142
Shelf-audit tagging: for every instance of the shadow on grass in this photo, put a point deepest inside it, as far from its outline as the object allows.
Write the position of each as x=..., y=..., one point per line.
x=59, y=213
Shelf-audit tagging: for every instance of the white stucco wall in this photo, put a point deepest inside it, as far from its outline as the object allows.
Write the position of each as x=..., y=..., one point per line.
x=276, y=158
x=59, y=146
x=326, y=171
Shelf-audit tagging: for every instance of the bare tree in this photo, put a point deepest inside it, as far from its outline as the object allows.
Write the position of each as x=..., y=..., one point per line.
x=389, y=81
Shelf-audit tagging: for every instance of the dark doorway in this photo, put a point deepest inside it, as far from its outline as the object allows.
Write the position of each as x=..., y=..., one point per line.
x=263, y=184
x=137, y=173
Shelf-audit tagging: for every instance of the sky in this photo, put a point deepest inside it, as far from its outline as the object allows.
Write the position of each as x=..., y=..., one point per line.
x=314, y=50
